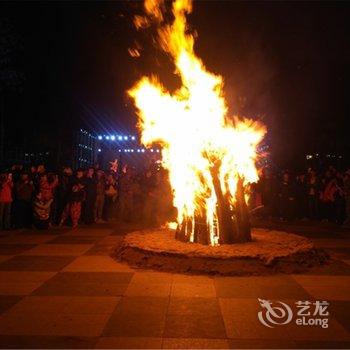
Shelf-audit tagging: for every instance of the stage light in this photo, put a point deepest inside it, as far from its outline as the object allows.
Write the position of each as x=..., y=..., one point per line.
x=112, y=137
x=107, y=137
x=143, y=151
x=120, y=138
x=99, y=137
x=133, y=138
x=125, y=137
x=99, y=150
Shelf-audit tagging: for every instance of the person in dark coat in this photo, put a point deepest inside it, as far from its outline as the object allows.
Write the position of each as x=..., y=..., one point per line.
x=24, y=190
x=90, y=183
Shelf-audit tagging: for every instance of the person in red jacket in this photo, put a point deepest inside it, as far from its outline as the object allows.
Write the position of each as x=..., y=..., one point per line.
x=6, y=186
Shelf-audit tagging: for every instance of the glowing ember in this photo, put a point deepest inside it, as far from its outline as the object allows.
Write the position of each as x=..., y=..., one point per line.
x=208, y=155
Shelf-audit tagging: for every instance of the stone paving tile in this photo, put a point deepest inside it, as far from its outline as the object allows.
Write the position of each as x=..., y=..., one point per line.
x=36, y=263
x=152, y=277
x=91, y=305
x=59, y=249
x=13, y=323
x=25, y=276
x=194, y=318
x=340, y=310
x=86, y=231
x=7, y=301
x=179, y=278
x=18, y=288
x=100, y=249
x=190, y=290
x=13, y=249
x=5, y=257
x=138, y=317
x=86, y=284
x=27, y=239
x=325, y=287
x=193, y=343
x=148, y=289
x=46, y=342
x=262, y=344
x=241, y=322
x=41, y=305
x=79, y=324
x=265, y=287
x=65, y=305
x=96, y=263
x=75, y=239
x=321, y=344
x=129, y=343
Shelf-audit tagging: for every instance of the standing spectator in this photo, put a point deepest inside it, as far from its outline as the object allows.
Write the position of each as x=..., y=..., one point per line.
x=75, y=198
x=23, y=197
x=6, y=186
x=100, y=196
x=63, y=190
x=347, y=197
x=287, y=198
x=110, y=196
x=312, y=190
x=301, y=197
x=90, y=196
x=41, y=212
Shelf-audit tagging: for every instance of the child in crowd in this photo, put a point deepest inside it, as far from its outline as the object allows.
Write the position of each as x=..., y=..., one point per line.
x=41, y=211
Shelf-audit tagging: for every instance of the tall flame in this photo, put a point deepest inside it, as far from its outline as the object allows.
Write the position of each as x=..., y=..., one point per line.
x=192, y=125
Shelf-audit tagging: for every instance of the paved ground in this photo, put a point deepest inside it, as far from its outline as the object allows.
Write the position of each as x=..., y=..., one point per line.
x=61, y=289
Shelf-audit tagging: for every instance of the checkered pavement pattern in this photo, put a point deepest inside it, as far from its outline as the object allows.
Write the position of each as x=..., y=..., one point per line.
x=61, y=289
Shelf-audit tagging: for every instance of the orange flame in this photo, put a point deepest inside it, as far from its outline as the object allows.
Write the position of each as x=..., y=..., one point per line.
x=192, y=125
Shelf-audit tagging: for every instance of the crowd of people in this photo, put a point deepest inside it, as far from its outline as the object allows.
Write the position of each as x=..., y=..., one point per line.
x=40, y=199
x=37, y=198
x=311, y=195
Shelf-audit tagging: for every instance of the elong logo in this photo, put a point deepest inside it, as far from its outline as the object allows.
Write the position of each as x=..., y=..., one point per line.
x=279, y=313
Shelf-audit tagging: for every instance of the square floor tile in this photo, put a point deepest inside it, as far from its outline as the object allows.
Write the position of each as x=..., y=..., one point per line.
x=190, y=290
x=194, y=318
x=13, y=249
x=138, y=317
x=129, y=343
x=79, y=325
x=325, y=287
x=13, y=323
x=70, y=239
x=25, y=276
x=8, y=301
x=46, y=342
x=59, y=249
x=90, y=305
x=148, y=289
x=24, y=238
x=193, y=343
x=265, y=287
x=96, y=264
x=86, y=284
x=36, y=263
x=41, y=305
x=18, y=288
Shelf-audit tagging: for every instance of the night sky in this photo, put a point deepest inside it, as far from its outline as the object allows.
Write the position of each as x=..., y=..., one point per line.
x=285, y=63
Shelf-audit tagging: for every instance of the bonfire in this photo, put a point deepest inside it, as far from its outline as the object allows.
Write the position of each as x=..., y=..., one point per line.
x=210, y=155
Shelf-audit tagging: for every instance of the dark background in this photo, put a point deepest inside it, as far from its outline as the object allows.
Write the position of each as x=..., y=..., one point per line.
x=286, y=63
